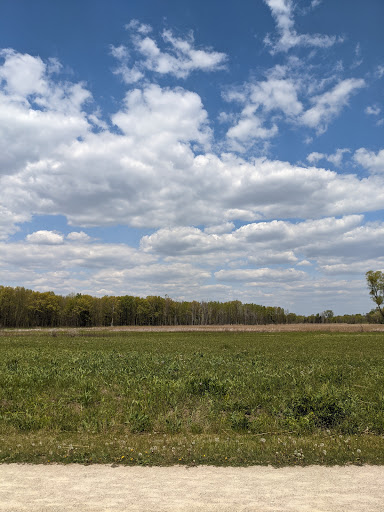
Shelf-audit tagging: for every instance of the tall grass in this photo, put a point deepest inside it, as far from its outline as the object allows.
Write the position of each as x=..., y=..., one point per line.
x=234, y=394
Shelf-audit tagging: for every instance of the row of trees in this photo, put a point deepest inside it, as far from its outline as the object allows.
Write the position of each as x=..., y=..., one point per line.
x=20, y=307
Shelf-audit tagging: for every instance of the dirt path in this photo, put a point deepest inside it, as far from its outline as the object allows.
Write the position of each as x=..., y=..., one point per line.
x=59, y=488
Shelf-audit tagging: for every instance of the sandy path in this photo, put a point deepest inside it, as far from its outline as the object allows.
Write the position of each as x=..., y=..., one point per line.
x=96, y=488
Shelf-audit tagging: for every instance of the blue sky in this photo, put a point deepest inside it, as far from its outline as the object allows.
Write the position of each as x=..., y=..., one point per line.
x=203, y=150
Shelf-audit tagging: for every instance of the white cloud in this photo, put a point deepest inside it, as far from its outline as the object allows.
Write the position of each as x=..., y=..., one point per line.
x=380, y=71
x=272, y=257
x=335, y=158
x=289, y=94
x=373, y=110
x=273, y=242
x=78, y=236
x=180, y=58
x=252, y=276
x=370, y=160
x=156, y=168
x=69, y=255
x=304, y=263
x=141, y=28
x=220, y=229
x=251, y=128
x=329, y=104
x=262, y=99
x=150, y=177
x=149, y=172
x=36, y=113
x=276, y=94
x=245, y=262
x=44, y=237
x=282, y=11
x=163, y=116
x=9, y=220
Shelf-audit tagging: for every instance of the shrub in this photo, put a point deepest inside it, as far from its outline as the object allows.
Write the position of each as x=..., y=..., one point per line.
x=325, y=408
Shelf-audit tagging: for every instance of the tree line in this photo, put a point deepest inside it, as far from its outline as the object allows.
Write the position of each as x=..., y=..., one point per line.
x=21, y=307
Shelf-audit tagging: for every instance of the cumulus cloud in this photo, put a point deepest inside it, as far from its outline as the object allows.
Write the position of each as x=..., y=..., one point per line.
x=163, y=116
x=180, y=57
x=253, y=257
x=250, y=128
x=328, y=105
x=370, y=160
x=282, y=12
x=37, y=114
x=261, y=99
x=78, y=236
x=260, y=243
x=45, y=238
x=157, y=168
x=149, y=172
x=335, y=158
x=289, y=94
x=69, y=255
x=155, y=180
x=252, y=276
x=219, y=229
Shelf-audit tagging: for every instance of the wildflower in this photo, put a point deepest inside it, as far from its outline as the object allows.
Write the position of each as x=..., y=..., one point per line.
x=325, y=452
x=262, y=440
x=358, y=450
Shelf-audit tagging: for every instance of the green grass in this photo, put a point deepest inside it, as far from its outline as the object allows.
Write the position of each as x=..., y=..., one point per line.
x=192, y=398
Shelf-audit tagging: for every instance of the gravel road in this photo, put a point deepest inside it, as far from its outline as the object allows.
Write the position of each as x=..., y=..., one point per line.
x=99, y=488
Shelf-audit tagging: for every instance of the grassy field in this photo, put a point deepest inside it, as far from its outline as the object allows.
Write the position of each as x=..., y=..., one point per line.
x=225, y=398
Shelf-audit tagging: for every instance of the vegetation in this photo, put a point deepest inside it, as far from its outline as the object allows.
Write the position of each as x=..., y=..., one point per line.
x=20, y=307
x=375, y=281
x=192, y=398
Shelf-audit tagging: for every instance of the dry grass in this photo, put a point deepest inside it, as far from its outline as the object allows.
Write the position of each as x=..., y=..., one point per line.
x=211, y=328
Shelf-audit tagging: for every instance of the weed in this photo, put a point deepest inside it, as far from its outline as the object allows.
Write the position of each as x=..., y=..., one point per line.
x=192, y=386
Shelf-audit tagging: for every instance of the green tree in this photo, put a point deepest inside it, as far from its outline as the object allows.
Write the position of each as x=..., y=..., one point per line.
x=375, y=281
x=44, y=308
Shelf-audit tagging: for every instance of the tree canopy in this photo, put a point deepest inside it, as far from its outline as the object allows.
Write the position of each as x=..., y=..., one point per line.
x=20, y=307
x=375, y=281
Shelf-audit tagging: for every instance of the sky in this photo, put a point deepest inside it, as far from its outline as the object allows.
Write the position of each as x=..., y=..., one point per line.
x=204, y=150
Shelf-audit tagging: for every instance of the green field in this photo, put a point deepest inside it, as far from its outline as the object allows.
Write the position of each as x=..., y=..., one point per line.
x=221, y=398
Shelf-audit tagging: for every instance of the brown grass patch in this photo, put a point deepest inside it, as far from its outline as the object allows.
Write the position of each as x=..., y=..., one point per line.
x=212, y=328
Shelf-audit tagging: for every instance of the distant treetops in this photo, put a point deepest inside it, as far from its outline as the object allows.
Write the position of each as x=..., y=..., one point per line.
x=20, y=307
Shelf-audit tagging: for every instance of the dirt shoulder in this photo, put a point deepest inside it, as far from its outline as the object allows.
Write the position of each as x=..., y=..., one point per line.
x=97, y=488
